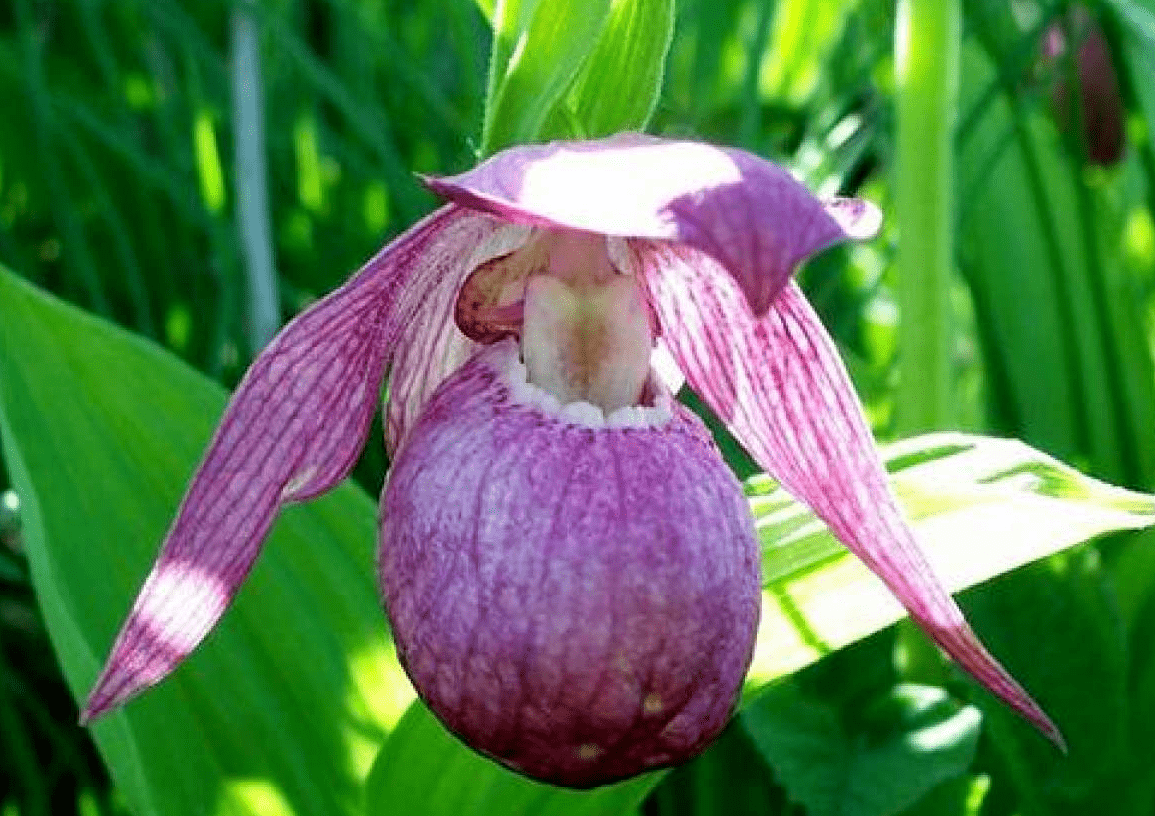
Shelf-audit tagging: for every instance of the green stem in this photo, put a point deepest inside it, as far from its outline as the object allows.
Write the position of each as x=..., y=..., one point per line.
x=264, y=311
x=927, y=36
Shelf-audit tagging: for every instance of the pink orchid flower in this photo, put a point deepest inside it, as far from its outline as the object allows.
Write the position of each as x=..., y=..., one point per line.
x=571, y=571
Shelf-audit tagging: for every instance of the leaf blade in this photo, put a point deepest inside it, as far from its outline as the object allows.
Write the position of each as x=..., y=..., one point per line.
x=544, y=58
x=970, y=489
x=116, y=461
x=605, y=99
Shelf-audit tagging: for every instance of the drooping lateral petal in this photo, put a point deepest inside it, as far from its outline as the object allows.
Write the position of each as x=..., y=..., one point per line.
x=750, y=215
x=292, y=430
x=780, y=386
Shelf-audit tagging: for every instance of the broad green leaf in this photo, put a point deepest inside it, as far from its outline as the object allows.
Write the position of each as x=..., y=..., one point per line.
x=980, y=507
x=283, y=709
x=509, y=20
x=907, y=743
x=424, y=770
x=544, y=57
x=1139, y=18
x=486, y=7
x=619, y=84
x=730, y=778
x=1142, y=677
x=997, y=199
x=9, y=570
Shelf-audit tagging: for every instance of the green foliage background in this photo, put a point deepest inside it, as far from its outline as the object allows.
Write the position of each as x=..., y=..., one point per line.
x=118, y=193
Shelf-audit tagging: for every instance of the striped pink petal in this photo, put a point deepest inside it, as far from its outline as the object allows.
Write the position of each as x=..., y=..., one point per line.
x=779, y=385
x=430, y=346
x=292, y=430
x=745, y=212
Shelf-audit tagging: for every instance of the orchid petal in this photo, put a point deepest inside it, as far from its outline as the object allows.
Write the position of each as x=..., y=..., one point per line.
x=748, y=214
x=780, y=386
x=293, y=429
x=431, y=346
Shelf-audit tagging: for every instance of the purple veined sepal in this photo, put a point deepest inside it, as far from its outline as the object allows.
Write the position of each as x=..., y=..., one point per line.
x=588, y=606
x=748, y=214
x=779, y=385
x=292, y=430
x=429, y=346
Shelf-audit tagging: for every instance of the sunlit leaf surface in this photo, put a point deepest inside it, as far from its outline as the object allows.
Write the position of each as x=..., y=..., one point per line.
x=604, y=99
x=980, y=506
x=282, y=709
x=547, y=42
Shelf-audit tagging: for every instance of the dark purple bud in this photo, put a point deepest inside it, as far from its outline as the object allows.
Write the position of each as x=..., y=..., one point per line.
x=1101, y=106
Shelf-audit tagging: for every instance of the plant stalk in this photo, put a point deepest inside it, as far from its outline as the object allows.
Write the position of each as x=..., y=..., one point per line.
x=264, y=314
x=927, y=35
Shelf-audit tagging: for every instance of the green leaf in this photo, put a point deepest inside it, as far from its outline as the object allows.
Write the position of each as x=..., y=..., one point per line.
x=486, y=7
x=424, y=770
x=1142, y=675
x=618, y=87
x=980, y=507
x=283, y=709
x=728, y=779
x=909, y=741
x=1139, y=17
x=539, y=47
x=1058, y=628
x=1138, y=57
x=574, y=69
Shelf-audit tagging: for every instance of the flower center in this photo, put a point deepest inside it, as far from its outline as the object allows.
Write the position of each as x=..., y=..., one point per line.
x=583, y=326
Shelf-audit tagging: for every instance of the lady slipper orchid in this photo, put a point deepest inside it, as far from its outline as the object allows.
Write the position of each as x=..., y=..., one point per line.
x=571, y=571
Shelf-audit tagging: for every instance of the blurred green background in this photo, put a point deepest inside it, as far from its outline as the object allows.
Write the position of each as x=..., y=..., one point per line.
x=118, y=193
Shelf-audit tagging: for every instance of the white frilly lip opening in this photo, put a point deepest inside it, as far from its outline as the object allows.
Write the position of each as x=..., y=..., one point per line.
x=504, y=359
